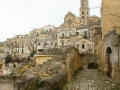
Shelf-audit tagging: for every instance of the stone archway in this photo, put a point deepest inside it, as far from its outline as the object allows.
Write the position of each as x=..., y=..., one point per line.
x=108, y=63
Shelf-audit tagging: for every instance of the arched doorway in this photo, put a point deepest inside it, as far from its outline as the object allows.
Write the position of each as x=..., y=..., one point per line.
x=108, y=62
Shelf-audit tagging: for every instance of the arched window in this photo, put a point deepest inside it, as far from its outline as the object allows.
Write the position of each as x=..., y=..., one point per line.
x=70, y=32
x=62, y=34
x=83, y=46
x=62, y=42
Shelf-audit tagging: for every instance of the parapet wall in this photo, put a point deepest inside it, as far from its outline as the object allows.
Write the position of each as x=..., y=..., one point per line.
x=55, y=83
x=73, y=61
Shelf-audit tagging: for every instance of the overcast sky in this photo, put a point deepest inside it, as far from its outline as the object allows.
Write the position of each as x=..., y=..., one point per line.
x=22, y=16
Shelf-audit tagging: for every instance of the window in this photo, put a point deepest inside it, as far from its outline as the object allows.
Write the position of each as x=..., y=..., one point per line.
x=83, y=46
x=99, y=20
x=82, y=17
x=45, y=44
x=62, y=35
x=22, y=50
x=39, y=44
x=85, y=34
x=82, y=12
x=70, y=34
x=62, y=43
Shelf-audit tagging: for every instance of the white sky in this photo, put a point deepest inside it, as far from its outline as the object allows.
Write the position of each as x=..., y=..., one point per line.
x=22, y=16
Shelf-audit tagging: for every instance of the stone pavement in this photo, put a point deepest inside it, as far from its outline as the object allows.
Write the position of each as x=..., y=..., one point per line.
x=90, y=79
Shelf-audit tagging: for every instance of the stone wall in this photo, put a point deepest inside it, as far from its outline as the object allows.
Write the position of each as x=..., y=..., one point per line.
x=7, y=82
x=55, y=83
x=73, y=61
x=110, y=21
x=18, y=83
x=28, y=84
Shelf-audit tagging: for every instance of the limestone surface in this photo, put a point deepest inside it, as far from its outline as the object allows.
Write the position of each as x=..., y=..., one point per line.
x=90, y=79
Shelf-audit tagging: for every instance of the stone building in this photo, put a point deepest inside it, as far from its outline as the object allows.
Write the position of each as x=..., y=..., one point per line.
x=1, y=68
x=74, y=31
x=110, y=38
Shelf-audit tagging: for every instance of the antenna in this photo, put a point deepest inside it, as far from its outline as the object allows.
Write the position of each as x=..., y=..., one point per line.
x=95, y=7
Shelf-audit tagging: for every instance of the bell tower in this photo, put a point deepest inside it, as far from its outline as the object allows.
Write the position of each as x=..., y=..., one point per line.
x=84, y=9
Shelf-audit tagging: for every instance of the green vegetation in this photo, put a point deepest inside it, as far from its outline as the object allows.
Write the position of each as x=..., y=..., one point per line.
x=118, y=35
x=8, y=59
x=32, y=54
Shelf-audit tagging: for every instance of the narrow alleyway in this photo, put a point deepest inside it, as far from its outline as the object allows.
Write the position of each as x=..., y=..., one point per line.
x=90, y=79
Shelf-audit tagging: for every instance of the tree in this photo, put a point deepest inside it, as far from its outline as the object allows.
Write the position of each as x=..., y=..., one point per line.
x=8, y=59
x=32, y=54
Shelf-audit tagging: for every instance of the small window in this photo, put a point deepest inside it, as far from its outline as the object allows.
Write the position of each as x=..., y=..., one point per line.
x=99, y=20
x=85, y=33
x=22, y=51
x=83, y=46
x=70, y=34
x=82, y=12
x=82, y=17
x=39, y=44
x=45, y=44
x=62, y=43
x=62, y=35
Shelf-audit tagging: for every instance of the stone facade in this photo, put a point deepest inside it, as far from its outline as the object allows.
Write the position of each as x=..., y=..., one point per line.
x=110, y=42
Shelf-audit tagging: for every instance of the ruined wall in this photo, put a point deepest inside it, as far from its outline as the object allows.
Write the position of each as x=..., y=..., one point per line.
x=73, y=62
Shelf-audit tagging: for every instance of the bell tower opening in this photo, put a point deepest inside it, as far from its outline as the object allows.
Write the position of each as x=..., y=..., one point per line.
x=84, y=9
